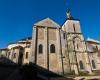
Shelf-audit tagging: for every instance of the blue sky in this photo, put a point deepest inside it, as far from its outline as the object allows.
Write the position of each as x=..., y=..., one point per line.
x=18, y=16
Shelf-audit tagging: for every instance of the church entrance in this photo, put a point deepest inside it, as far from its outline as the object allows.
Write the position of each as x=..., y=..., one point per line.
x=20, y=58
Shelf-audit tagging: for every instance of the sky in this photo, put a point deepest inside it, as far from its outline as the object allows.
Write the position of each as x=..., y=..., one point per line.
x=17, y=17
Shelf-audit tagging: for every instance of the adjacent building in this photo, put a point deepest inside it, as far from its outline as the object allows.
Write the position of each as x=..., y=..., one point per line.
x=18, y=52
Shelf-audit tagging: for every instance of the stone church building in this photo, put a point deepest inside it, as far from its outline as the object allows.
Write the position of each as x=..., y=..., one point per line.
x=63, y=49
x=60, y=49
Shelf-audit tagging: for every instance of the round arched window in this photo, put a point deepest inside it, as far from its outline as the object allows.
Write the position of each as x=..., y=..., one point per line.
x=40, y=49
x=52, y=48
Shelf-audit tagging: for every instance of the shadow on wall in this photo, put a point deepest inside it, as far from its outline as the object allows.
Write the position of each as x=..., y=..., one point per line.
x=12, y=71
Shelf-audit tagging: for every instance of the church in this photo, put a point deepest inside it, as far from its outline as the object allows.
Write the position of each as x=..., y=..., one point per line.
x=60, y=49
x=63, y=49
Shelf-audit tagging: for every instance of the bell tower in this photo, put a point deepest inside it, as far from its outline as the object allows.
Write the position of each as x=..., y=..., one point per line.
x=76, y=47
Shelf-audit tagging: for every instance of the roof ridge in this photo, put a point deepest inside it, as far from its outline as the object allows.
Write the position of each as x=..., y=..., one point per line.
x=47, y=22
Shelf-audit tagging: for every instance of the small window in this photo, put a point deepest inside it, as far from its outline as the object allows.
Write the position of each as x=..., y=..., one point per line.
x=74, y=27
x=40, y=49
x=26, y=55
x=81, y=65
x=52, y=48
x=27, y=46
x=8, y=54
x=77, y=46
x=93, y=64
x=97, y=48
x=64, y=35
x=14, y=55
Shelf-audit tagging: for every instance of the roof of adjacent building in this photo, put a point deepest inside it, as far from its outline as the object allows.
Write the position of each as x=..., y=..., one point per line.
x=4, y=49
x=90, y=40
x=17, y=47
x=47, y=23
x=24, y=40
x=90, y=47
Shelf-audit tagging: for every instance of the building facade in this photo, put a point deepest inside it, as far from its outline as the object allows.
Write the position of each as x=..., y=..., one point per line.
x=94, y=54
x=60, y=49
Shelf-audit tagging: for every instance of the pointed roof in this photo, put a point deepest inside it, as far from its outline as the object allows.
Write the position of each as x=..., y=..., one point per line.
x=47, y=23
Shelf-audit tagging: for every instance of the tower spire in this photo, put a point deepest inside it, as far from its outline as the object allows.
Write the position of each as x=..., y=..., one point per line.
x=68, y=13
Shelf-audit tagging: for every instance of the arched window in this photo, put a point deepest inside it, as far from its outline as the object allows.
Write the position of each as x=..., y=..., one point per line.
x=93, y=64
x=26, y=55
x=40, y=48
x=77, y=46
x=52, y=48
x=81, y=65
x=14, y=55
x=64, y=35
x=74, y=27
x=77, y=43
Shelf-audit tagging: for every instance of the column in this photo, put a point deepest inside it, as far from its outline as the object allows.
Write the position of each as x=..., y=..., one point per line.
x=33, y=45
x=46, y=48
x=60, y=58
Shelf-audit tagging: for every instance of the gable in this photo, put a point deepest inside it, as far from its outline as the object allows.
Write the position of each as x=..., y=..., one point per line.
x=47, y=23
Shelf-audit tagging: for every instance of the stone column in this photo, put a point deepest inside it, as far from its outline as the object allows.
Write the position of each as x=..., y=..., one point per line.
x=46, y=47
x=17, y=55
x=76, y=69
x=75, y=58
x=33, y=45
x=88, y=64
x=59, y=44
